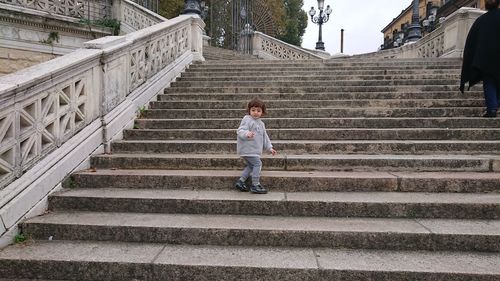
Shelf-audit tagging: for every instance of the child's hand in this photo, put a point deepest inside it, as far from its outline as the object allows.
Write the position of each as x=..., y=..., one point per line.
x=273, y=151
x=250, y=135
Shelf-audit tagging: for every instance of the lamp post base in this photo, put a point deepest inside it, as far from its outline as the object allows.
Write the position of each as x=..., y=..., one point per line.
x=320, y=46
x=192, y=7
x=414, y=33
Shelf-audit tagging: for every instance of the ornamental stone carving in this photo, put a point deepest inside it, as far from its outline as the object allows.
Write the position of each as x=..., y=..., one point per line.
x=268, y=47
x=90, y=10
x=32, y=128
x=148, y=59
x=137, y=17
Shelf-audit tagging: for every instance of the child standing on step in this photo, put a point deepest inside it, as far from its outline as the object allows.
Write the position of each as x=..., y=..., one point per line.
x=252, y=139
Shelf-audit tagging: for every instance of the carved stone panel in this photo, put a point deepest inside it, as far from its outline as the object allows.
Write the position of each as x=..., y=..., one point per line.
x=32, y=128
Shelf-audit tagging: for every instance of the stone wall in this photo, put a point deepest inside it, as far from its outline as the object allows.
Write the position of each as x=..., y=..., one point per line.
x=12, y=60
x=42, y=32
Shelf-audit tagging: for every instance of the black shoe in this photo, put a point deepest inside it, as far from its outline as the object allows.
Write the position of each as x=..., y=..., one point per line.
x=490, y=113
x=259, y=189
x=241, y=186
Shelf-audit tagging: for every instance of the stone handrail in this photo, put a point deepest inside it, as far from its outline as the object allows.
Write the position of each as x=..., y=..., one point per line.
x=267, y=47
x=135, y=17
x=448, y=40
x=54, y=115
x=82, y=9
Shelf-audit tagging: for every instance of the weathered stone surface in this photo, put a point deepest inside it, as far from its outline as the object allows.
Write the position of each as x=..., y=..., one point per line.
x=316, y=113
x=233, y=123
x=314, y=147
x=184, y=262
x=296, y=162
x=318, y=76
x=320, y=134
x=333, y=104
x=328, y=204
x=294, y=181
x=224, y=179
x=437, y=266
x=393, y=234
x=2, y=228
x=12, y=60
x=323, y=96
x=285, y=88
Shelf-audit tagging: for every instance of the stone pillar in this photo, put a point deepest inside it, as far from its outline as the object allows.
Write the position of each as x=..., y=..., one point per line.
x=457, y=27
x=197, y=27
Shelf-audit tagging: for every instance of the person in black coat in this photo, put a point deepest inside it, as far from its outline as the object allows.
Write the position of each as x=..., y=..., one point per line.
x=482, y=56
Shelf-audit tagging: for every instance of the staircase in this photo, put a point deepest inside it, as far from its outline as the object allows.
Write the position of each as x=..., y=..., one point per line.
x=214, y=53
x=385, y=172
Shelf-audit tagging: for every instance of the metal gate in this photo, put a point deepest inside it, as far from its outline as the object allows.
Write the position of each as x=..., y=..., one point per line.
x=231, y=22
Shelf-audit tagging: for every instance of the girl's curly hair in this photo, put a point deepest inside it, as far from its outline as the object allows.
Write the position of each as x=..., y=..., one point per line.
x=257, y=103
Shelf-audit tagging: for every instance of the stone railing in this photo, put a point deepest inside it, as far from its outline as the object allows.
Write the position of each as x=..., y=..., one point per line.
x=134, y=17
x=83, y=9
x=53, y=116
x=448, y=40
x=267, y=47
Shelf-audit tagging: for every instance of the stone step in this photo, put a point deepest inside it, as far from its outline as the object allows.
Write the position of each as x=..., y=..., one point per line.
x=286, y=88
x=272, y=104
x=320, y=78
x=212, y=53
x=321, y=134
x=344, y=61
x=331, y=73
x=269, y=231
x=321, y=204
x=312, y=83
x=290, y=181
x=322, y=96
x=153, y=261
x=323, y=112
x=304, y=147
x=316, y=68
x=286, y=162
x=278, y=65
x=297, y=123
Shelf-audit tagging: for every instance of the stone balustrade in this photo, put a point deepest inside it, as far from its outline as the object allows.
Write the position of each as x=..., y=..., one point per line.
x=267, y=47
x=54, y=115
x=134, y=17
x=83, y=9
x=448, y=40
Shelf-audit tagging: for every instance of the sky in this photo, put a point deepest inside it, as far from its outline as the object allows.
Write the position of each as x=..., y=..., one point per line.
x=361, y=24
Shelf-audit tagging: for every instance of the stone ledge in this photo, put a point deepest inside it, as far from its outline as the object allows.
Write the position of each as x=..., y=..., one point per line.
x=104, y=42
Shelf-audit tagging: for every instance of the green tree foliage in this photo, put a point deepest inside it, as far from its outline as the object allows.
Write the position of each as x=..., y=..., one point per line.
x=295, y=22
x=171, y=8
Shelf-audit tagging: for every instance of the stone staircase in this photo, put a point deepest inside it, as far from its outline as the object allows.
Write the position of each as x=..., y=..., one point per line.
x=213, y=53
x=384, y=172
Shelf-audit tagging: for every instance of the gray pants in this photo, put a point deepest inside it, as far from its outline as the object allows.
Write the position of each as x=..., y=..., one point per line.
x=254, y=165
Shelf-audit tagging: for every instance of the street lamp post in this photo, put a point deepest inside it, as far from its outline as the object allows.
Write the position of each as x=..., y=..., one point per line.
x=192, y=7
x=322, y=18
x=415, y=30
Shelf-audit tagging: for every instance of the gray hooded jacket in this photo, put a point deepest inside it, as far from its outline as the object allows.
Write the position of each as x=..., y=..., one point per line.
x=252, y=146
